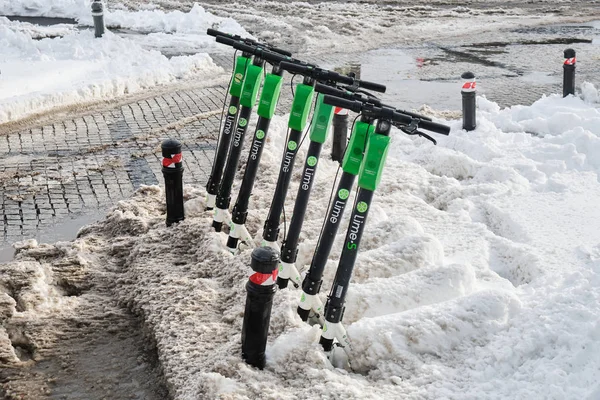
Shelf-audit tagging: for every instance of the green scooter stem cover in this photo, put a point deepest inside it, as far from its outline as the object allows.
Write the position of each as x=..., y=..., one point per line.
x=241, y=64
x=301, y=107
x=322, y=118
x=372, y=166
x=269, y=96
x=254, y=75
x=356, y=147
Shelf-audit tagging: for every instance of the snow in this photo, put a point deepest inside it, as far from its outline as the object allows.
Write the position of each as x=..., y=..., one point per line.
x=477, y=276
x=40, y=75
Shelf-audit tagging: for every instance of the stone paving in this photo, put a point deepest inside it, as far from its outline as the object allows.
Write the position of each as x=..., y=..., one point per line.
x=95, y=160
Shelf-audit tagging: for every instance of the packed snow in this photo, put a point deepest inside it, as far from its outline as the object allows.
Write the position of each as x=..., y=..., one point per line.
x=477, y=276
x=70, y=67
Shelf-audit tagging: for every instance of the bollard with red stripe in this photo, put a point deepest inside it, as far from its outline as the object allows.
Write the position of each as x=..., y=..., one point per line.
x=469, y=93
x=172, y=169
x=261, y=288
x=569, y=72
x=340, y=133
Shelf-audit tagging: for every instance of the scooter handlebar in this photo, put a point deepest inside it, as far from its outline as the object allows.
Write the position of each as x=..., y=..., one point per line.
x=376, y=87
x=326, y=75
x=216, y=33
x=257, y=51
x=335, y=101
x=435, y=127
x=386, y=112
x=346, y=94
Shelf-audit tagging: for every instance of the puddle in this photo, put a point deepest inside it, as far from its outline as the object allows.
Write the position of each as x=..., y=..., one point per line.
x=396, y=70
x=541, y=78
x=61, y=231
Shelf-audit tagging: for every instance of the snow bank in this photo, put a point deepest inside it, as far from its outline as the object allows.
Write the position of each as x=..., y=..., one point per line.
x=477, y=277
x=41, y=8
x=38, y=75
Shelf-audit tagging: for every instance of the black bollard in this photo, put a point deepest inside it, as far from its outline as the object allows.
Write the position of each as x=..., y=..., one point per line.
x=98, y=15
x=173, y=172
x=469, y=93
x=340, y=134
x=261, y=288
x=569, y=73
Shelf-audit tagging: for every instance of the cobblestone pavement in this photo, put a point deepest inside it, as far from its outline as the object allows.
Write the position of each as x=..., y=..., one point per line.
x=76, y=167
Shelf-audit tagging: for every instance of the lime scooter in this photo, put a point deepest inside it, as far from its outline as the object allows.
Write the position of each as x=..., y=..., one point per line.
x=321, y=121
x=266, y=109
x=369, y=178
x=249, y=94
x=297, y=122
x=235, y=91
x=351, y=162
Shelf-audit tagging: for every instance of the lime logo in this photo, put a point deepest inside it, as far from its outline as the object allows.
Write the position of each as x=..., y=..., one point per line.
x=312, y=161
x=292, y=145
x=362, y=207
x=325, y=327
x=233, y=110
x=303, y=298
x=243, y=122
x=238, y=77
x=343, y=194
x=280, y=267
x=260, y=135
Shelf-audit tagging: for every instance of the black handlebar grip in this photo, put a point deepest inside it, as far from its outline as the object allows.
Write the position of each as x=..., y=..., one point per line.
x=355, y=106
x=339, y=78
x=402, y=118
x=244, y=47
x=376, y=87
x=214, y=32
x=326, y=89
x=280, y=51
x=294, y=67
x=435, y=127
x=225, y=40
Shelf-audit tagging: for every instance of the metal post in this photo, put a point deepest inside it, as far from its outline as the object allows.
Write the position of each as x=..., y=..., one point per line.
x=340, y=133
x=469, y=93
x=173, y=173
x=260, y=290
x=569, y=73
x=98, y=15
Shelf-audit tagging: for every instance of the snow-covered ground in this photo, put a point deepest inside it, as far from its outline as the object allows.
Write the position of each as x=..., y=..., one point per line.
x=70, y=67
x=477, y=277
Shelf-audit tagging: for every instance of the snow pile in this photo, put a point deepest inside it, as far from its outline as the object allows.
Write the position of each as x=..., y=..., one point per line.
x=196, y=21
x=38, y=31
x=42, y=8
x=38, y=75
x=477, y=276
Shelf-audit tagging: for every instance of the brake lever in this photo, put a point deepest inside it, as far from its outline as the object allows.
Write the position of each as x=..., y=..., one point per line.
x=413, y=129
